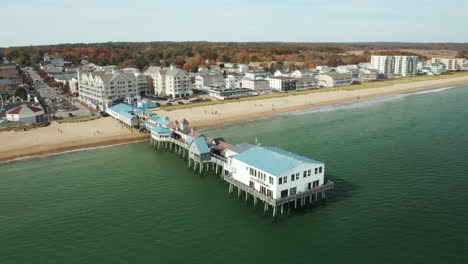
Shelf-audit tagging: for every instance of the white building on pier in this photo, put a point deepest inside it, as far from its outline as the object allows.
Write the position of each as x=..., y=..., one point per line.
x=274, y=172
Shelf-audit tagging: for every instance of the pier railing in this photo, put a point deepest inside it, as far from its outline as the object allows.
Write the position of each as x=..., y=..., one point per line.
x=276, y=202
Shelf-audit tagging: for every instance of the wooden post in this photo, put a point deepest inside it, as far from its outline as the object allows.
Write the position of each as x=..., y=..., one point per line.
x=238, y=191
x=274, y=211
x=282, y=208
x=194, y=165
x=246, y=196
x=323, y=194
x=189, y=163
x=216, y=172
x=255, y=201
x=295, y=203
x=201, y=167
x=316, y=194
x=310, y=199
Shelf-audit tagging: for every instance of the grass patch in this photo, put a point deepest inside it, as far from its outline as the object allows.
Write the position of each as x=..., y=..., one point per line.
x=31, y=126
x=184, y=106
x=75, y=119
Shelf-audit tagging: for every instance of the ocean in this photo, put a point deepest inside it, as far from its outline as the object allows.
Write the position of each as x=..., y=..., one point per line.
x=400, y=165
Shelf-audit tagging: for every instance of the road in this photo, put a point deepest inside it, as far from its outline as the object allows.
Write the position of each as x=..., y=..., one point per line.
x=58, y=103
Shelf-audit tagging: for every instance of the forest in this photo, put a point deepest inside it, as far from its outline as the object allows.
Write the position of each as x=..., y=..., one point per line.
x=191, y=55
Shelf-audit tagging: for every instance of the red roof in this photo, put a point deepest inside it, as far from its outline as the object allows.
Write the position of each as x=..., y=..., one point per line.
x=34, y=109
x=16, y=110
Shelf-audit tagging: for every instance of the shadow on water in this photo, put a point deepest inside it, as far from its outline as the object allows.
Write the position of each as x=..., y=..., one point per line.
x=343, y=191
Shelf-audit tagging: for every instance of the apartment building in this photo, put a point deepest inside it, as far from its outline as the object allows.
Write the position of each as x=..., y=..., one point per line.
x=171, y=82
x=451, y=64
x=395, y=66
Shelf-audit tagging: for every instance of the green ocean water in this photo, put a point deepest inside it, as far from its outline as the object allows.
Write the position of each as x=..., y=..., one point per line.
x=400, y=165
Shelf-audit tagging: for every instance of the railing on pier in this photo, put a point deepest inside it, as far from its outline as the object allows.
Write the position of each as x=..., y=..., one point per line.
x=220, y=160
x=276, y=202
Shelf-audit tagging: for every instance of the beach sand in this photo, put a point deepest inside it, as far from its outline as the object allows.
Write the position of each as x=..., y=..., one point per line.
x=64, y=137
x=71, y=136
x=217, y=115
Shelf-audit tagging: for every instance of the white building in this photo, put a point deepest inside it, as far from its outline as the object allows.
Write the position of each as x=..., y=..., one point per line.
x=333, y=79
x=274, y=172
x=258, y=85
x=306, y=83
x=233, y=80
x=207, y=81
x=304, y=73
x=171, y=82
x=451, y=64
x=433, y=68
x=256, y=75
x=101, y=88
x=281, y=73
x=282, y=84
x=352, y=70
x=54, y=59
x=26, y=114
x=395, y=66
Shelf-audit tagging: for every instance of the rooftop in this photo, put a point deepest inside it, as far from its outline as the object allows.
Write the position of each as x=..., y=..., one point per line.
x=273, y=160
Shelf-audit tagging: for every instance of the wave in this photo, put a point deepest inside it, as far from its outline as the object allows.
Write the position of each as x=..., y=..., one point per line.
x=435, y=90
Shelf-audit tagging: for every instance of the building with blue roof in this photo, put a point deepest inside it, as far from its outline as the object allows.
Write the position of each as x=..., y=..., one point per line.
x=161, y=133
x=199, y=150
x=124, y=113
x=275, y=172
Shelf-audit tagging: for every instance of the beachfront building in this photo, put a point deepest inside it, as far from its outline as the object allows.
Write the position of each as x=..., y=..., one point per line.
x=274, y=172
x=332, y=79
x=351, y=69
x=433, y=69
x=451, y=64
x=226, y=94
x=395, y=66
x=124, y=113
x=26, y=114
x=198, y=150
x=170, y=82
x=204, y=82
x=304, y=73
x=100, y=89
x=282, y=84
x=306, y=83
x=366, y=75
x=257, y=85
x=233, y=80
x=281, y=73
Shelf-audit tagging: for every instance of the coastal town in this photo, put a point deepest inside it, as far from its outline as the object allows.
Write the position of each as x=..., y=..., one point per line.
x=63, y=92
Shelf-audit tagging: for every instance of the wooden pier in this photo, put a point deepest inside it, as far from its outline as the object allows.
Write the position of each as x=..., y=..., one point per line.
x=217, y=164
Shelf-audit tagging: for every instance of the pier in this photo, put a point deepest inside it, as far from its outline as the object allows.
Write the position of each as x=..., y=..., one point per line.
x=270, y=176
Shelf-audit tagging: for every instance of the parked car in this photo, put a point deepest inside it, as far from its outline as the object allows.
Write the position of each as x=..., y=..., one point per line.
x=169, y=104
x=170, y=100
x=180, y=102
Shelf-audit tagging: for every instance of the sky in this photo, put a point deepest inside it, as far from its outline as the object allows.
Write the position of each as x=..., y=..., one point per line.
x=41, y=22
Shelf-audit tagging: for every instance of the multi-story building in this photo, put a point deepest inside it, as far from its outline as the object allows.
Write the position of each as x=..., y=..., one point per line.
x=306, y=83
x=233, y=80
x=353, y=70
x=55, y=59
x=274, y=172
x=304, y=73
x=101, y=89
x=332, y=79
x=170, y=82
x=282, y=84
x=395, y=66
x=207, y=81
x=451, y=64
x=366, y=74
x=259, y=85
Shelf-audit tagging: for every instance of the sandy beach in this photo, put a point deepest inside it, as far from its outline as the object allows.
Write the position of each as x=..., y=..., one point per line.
x=107, y=131
x=64, y=137
x=217, y=115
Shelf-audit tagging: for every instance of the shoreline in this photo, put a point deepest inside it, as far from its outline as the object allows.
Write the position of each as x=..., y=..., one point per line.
x=31, y=151
x=206, y=125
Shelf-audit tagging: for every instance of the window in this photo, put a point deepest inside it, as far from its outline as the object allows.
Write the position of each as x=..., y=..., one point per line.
x=271, y=180
x=297, y=176
x=292, y=191
x=280, y=180
x=284, y=193
x=320, y=170
x=285, y=179
x=304, y=174
x=262, y=190
x=292, y=177
x=269, y=193
x=309, y=172
x=316, y=170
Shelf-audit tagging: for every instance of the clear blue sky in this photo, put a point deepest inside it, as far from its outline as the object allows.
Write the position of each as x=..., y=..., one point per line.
x=33, y=22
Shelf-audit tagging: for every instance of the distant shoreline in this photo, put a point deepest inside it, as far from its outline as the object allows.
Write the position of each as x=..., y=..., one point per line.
x=27, y=145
